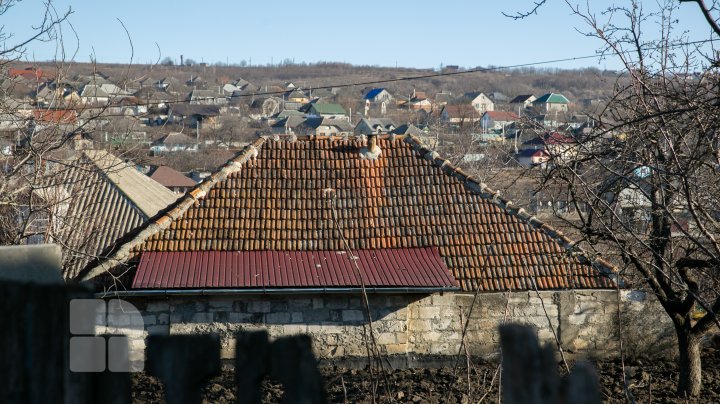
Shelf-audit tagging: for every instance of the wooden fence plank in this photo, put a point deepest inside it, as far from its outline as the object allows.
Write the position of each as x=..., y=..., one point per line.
x=530, y=373
x=293, y=363
x=184, y=363
x=251, y=365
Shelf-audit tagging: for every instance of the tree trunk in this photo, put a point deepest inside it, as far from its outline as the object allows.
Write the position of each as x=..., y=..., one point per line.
x=690, y=366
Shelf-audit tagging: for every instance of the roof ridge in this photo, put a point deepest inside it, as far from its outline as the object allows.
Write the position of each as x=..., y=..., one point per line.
x=165, y=217
x=508, y=206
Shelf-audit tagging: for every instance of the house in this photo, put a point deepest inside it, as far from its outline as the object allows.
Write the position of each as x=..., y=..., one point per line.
x=418, y=101
x=154, y=98
x=229, y=89
x=443, y=98
x=378, y=95
x=59, y=92
x=171, y=179
x=195, y=115
x=287, y=235
x=101, y=93
x=295, y=99
x=552, y=102
x=430, y=140
x=242, y=84
x=195, y=81
x=498, y=121
x=130, y=106
x=525, y=100
x=93, y=199
x=558, y=146
x=289, y=124
x=498, y=97
x=324, y=95
x=283, y=115
x=532, y=157
x=313, y=126
x=550, y=121
x=461, y=114
x=326, y=110
x=18, y=89
x=206, y=97
x=174, y=142
x=480, y=102
x=170, y=84
x=94, y=94
x=114, y=91
x=55, y=116
x=409, y=130
x=28, y=73
x=297, y=96
x=578, y=121
x=120, y=131
x=368, y=126
x=330, y=126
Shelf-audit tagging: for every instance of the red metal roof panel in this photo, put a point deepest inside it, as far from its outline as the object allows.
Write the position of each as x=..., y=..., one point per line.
x=399, y=267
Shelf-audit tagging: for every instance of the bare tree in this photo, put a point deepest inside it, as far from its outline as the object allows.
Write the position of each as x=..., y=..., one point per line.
x=646, y=187
x=43, y=166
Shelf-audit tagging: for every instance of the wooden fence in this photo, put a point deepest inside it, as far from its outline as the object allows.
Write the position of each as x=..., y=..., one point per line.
x=35, y=354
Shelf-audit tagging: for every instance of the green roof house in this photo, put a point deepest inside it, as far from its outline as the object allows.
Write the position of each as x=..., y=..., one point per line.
x=327, y=110
x=552, y=102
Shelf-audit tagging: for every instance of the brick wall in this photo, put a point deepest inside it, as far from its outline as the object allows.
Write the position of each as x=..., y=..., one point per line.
x=419, y=325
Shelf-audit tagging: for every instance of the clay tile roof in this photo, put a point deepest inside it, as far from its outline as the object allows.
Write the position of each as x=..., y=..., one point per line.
x=284, y=196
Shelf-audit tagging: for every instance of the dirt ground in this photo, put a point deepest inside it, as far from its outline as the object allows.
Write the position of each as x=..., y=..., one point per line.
x=649, y=382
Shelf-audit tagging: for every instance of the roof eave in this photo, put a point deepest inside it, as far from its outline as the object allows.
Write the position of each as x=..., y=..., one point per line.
x=276, y=291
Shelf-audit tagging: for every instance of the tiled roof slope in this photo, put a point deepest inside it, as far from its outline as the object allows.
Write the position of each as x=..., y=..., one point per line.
x=279, y=195
x=100, y=198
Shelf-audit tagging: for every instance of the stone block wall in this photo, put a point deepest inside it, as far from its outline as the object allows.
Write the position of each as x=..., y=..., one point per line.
x=585, y=321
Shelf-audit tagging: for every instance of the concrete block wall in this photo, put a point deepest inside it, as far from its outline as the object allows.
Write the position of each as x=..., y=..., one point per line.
x=585, y=321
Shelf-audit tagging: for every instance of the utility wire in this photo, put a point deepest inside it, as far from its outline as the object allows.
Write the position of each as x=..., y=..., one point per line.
x=431, y=75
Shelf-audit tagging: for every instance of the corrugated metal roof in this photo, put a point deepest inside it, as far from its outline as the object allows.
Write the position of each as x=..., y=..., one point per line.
x=98, y=198
x=400, y=267
x=147, y=194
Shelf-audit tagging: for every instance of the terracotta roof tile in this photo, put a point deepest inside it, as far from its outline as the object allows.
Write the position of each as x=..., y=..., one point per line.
x=280, y=196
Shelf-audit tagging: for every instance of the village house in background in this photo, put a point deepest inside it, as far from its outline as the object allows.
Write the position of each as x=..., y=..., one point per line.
x=171, y=179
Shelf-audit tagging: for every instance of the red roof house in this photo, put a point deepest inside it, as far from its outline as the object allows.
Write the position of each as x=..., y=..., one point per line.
x=293, y=235
x=283, y=197
x=172, y=179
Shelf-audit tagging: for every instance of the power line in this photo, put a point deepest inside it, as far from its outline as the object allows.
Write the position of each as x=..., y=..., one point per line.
x=433, y=75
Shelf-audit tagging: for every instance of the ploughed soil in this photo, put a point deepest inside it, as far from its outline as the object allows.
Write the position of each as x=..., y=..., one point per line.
x=649, y=381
